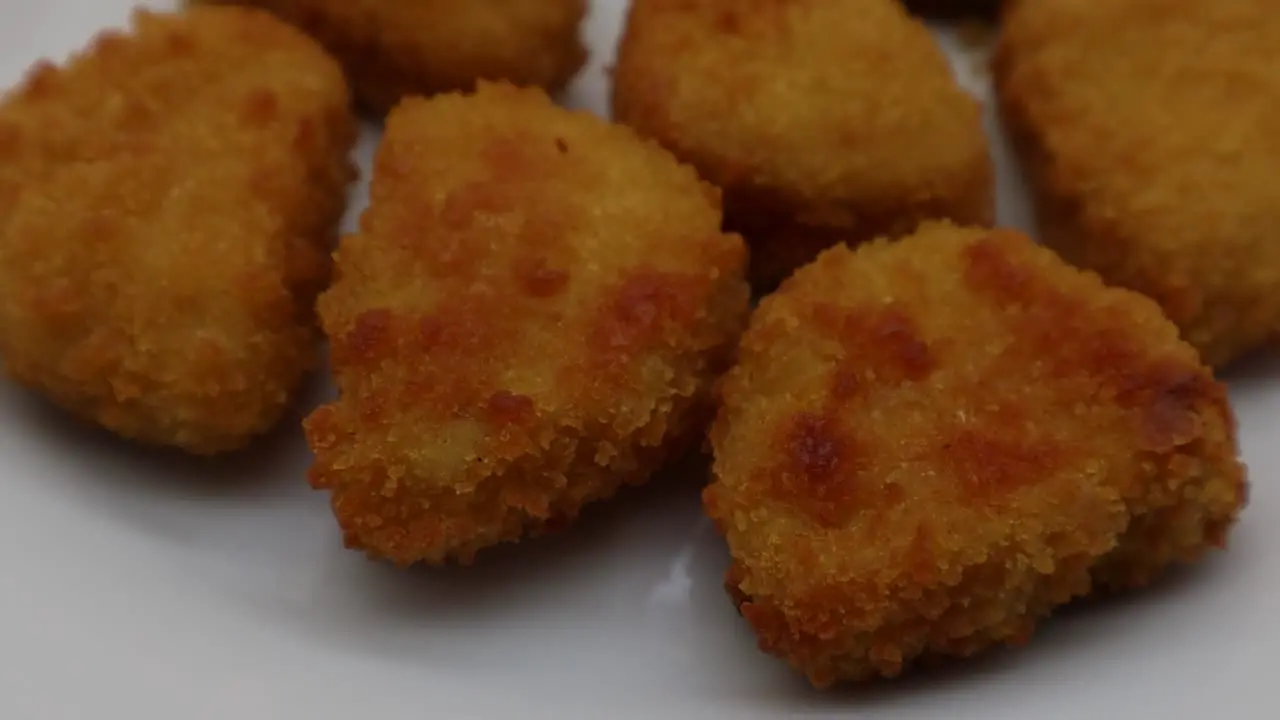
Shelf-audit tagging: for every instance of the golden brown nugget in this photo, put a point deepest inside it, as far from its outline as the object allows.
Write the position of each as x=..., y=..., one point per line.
x=394, y=48
x=166, y=207
x=824, y=121
x=1148, y=131
x=928, y=445
x=529, y=318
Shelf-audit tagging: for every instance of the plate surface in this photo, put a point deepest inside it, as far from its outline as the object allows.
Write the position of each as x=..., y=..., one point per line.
x=143, y=585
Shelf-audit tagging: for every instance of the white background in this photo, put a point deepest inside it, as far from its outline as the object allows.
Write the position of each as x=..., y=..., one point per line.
x=143, y=585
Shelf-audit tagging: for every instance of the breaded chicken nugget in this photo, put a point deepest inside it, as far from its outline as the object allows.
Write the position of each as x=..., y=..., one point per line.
x=166, y=203
x=529, y=318
x=1149, y=131
x=824, y=121
x=928, y=445
x=393, y=48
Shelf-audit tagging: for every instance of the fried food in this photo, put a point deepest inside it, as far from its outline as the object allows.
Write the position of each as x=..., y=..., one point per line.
x=393, y=48
x=928, y=445
x=824, y=121
x=166, y=205
x=1147, y=129
x=530, y=318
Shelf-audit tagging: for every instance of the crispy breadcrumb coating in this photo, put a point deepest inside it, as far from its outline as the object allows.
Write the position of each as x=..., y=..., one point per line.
x=530, y=317
x=1148, y=131
x=824, y=121
x=928, y=445
x=166, y=205
x=394, y=48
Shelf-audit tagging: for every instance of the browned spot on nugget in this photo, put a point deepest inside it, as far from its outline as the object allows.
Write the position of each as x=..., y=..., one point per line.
x=179, y=43
x=637, y=310
x=814, y=449
x=261, y=107
x=562, y=146
x=430, y=331
x=881, y=345
x=893, y=338
x=539, y=280
x=761, y=19
x=1106, y=354
x=457, y=337
x=369, y=340
x=1167, y=405
x=507, y=408
x=100, y=228
x=459, y=329
x=991, y=272
x=512, y=158
x=844, y=385
x=727, y=21
x=819, y=469
x=1166, y=395
x=305, y=137
x=995, y=461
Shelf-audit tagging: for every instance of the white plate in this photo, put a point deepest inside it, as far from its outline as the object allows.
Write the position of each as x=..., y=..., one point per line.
x=142, y=585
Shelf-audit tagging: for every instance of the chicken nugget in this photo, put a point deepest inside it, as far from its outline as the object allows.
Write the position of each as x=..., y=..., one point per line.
x=392, y=48
x=928, y=445
x=1148, y=131
x=824, y=121
x=530, y=317
x=166, y=206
